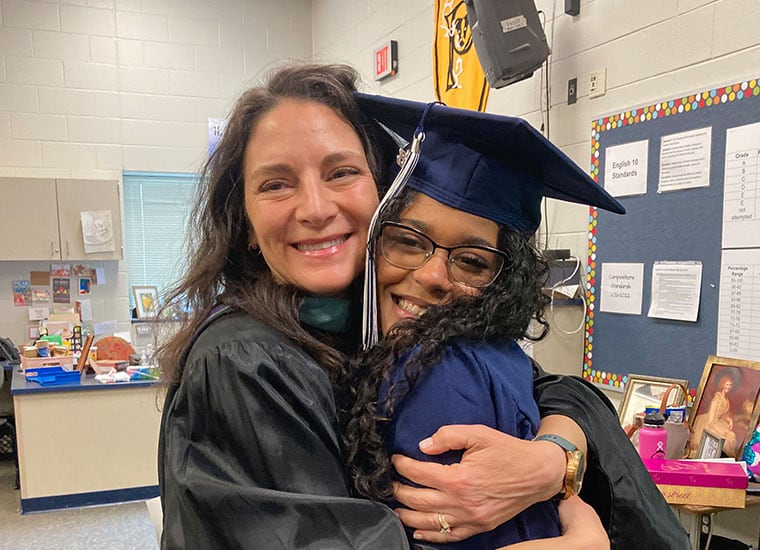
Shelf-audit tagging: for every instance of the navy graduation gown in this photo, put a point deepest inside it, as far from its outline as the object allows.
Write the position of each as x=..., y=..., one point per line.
x=473, y=383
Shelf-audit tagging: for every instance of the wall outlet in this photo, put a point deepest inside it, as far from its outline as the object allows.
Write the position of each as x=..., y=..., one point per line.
x=597, y=83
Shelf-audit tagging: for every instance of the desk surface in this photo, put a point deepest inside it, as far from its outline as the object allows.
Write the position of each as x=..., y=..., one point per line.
x=752, y=499
x=21, y=386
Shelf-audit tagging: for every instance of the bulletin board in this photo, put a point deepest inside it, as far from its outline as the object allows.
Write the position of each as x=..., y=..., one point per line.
x=682, y=225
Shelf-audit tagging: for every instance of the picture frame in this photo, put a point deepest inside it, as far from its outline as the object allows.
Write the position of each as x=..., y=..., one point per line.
x=646, y=391
x=726, y=403
x=146, y=301
x=710, y=445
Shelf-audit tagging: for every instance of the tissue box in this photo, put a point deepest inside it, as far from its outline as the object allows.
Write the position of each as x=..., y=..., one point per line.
x=699, y=482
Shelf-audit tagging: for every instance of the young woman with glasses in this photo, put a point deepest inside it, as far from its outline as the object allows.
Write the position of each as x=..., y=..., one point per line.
x=451, y=315
x=458, y=284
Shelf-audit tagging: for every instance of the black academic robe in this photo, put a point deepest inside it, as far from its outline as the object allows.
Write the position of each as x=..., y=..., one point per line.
x=249, y=453
x=616, y=483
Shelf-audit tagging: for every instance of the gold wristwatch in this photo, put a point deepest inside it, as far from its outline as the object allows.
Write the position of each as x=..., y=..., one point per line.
x=576, y=465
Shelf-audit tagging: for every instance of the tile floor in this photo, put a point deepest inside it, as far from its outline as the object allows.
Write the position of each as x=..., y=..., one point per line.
x=116, y=527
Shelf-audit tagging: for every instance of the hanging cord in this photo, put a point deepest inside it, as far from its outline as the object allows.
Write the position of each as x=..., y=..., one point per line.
x=545, y=85
x=582, y=293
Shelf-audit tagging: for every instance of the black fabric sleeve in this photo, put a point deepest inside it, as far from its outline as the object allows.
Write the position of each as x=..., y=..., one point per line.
x=249, y=457
x=616, y=483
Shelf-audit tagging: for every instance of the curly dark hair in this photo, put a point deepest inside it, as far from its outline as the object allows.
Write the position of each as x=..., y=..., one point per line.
x=503, y=310
x=221, y=267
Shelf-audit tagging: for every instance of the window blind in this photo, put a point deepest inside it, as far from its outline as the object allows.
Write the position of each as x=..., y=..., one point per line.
x=156, y=210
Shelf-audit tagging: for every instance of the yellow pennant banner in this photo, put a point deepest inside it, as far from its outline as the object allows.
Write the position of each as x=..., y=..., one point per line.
x=458, y=77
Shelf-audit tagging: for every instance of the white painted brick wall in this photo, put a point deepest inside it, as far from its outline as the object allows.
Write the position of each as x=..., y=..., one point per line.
x=215, y=58
x=194, y=84
x=168, y=56
x=16, y=41
x=29, y=70
x=56, y=45
x=20, y=153
x=141, y=26
x=95, y=129
x=91, y=88
x=30, y=15
x=89, y=76
x=5, y=124
x=15, y=99
x=103, y=49
x=191, y=31
x=87, y=21
x=130, y=53
x=33, y=126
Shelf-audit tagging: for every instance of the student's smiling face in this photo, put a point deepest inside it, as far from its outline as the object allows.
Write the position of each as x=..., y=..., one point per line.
x=309, y=195
x=407, y=293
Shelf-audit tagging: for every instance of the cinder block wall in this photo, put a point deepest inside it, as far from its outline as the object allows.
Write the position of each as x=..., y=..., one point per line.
x=89, y=88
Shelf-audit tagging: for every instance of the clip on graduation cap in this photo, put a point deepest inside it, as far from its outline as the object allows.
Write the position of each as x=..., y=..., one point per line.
x=492, y=166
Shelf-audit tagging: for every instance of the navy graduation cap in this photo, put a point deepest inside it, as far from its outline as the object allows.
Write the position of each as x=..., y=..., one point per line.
x=496, y=167
x=492, y=166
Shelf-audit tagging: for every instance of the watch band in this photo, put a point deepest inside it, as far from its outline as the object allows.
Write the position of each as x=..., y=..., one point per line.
x=576, y=465
x=559, y=440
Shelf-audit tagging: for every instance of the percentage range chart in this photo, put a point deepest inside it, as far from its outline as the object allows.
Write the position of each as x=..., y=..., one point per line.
x=739, y=311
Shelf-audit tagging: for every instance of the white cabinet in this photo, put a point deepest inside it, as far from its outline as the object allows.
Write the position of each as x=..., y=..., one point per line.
x=40, y=219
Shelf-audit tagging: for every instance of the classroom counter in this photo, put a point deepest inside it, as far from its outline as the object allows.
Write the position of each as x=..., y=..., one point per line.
x=86, y=443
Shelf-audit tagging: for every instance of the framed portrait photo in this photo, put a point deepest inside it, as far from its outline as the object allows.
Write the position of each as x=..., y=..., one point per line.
x=710, y=445
x=726, y=403
x=146, y=301
x=647, y=391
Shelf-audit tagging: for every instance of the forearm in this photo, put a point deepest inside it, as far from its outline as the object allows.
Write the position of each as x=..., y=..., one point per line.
x=540, y=544
x=566, y=427
x=549, y=474
x=581, y=530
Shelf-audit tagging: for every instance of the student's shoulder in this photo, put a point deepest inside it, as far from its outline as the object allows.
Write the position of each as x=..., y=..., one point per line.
x=486, y=353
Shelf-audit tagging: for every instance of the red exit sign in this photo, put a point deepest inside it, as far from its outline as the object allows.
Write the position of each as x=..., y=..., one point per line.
x=386, y=60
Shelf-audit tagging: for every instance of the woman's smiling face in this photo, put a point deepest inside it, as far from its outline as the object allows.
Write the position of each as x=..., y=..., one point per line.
x=407, y=293
x=309, y=196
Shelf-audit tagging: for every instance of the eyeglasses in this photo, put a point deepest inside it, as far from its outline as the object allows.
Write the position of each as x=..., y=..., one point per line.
x=471, y=264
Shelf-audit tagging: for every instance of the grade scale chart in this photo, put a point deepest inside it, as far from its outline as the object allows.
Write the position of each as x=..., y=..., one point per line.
x=741, y=191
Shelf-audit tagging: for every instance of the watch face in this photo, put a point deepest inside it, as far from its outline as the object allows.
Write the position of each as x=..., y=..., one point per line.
x=579, y=473
x=576, y=467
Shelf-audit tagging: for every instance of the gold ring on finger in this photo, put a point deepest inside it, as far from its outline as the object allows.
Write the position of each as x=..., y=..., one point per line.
x=445, y=527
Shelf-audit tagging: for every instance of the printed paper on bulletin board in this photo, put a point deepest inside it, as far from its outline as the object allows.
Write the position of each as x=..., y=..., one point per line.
x=676, y=215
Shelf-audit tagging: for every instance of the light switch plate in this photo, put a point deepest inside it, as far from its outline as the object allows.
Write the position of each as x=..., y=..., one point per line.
x=597, y=83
